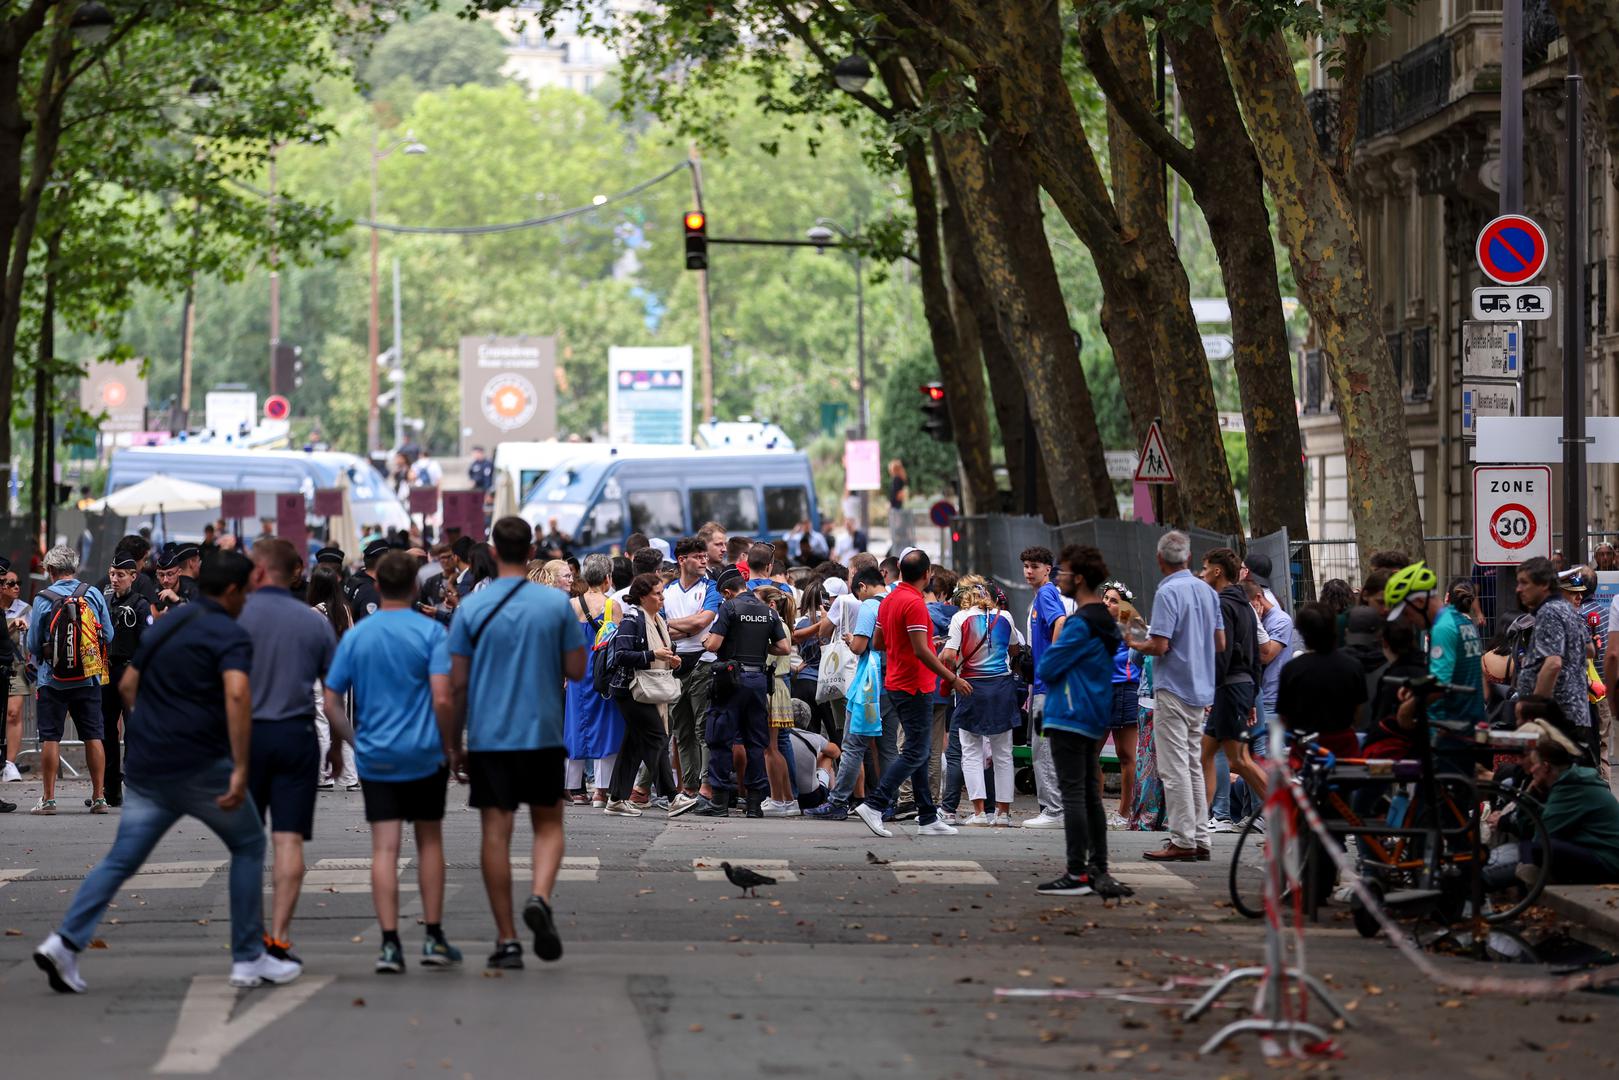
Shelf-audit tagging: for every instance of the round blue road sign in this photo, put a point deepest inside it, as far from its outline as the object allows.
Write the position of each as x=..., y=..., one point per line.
x=1511, y=250
x=942, y=513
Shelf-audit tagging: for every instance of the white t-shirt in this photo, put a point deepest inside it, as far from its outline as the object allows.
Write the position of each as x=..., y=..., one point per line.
x=842, y=615
x=681, y=603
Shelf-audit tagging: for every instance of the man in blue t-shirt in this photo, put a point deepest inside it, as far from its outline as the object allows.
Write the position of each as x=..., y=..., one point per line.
x=512, y=645
x=397, y=663
x=1047, y=613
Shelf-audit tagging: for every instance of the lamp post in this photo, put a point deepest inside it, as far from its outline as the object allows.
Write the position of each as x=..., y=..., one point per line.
x=373, y=419
x=821, y=233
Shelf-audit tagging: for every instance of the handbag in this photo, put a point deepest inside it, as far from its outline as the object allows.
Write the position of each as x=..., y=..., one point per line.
x=655, y=685
x=837, y=670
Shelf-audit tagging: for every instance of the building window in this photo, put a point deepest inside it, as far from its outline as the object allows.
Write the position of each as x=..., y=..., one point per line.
x=1312, y=381
x=1396, y=342
x=1421, y=362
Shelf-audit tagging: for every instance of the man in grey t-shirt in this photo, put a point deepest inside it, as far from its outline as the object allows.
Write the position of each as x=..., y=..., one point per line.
x=293, y=646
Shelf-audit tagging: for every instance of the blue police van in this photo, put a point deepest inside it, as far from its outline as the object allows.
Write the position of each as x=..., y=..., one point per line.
x=669, y=492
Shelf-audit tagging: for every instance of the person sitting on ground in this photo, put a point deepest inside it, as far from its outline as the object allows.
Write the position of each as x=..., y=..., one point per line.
x=1579, y=811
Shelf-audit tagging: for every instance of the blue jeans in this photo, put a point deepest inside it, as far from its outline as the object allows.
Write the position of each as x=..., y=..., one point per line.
x=1221, y=807
x=784, y=743
x=915, y=712
x=865, y=751
x=149, y=813
x=950, y=793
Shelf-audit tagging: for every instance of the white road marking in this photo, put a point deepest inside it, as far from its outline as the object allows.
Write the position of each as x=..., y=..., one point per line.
x=709, y=869
x=1150, y=876
x=574, y=867
x=206, y=1032
x=346, y=876
x=178, y=875
x=941, y=872
x=13, y=875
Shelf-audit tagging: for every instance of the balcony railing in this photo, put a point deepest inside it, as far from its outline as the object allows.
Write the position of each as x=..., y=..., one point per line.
x=1540, y=29
x=1377, y=103
x=1412, y=88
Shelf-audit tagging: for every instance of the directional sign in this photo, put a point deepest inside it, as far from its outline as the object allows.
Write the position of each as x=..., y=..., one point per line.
x=1217, y=346
x=1153, y=466
x=1511, y=250
x=1492, y=350
x=1502, y=304
x=1121, y=465
x=1512, y=511
x=1486, y=399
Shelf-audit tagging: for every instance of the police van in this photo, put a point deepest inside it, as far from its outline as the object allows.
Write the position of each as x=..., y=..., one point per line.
x=669, y=491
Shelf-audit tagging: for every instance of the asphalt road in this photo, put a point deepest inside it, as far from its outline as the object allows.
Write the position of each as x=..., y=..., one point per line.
x=845, y=968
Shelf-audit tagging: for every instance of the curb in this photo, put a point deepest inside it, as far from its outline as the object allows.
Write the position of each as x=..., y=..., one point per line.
x=1593, y=908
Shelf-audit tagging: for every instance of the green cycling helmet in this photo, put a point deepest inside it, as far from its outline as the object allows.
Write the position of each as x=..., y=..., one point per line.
x=1413, y=580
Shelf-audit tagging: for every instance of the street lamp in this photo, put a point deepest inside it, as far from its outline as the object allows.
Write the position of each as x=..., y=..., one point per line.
x=822, y=234
x=373, y=421
x=204, y=91
x=91, y=23
x=852, y=73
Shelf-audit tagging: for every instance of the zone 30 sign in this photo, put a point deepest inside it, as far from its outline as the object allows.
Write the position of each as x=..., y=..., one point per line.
x=1512, y=509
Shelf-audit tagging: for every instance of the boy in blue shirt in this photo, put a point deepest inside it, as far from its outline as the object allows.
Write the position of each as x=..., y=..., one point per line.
x=397, y=662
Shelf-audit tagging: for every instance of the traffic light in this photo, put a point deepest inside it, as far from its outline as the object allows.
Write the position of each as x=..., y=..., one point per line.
x=696, y=240
x=287, y=370
x=936, y=413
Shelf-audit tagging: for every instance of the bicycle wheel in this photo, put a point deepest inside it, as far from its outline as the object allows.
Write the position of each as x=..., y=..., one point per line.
x=1247, y=873
x=1530, y=878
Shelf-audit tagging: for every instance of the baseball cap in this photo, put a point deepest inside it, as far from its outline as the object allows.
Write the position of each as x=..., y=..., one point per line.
x=663, y=547
x=836, y=587
x=1364, y=626
x=1259, y=568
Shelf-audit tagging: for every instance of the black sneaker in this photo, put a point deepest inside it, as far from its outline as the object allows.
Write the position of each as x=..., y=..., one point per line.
x=7, y=807
x=708, y=808
x=905, y=811
x=508, y=956
x=391, y=960
x=1108, y=887
x=755, y=808
x=1068, y=885
x=537, y=917
x=281, y=950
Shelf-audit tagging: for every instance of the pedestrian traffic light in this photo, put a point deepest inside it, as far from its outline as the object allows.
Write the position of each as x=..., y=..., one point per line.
x=696, y=240
x=287, y=370
x=936, y=413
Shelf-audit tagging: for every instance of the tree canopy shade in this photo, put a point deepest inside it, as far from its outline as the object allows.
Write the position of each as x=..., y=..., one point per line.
x=437, y=51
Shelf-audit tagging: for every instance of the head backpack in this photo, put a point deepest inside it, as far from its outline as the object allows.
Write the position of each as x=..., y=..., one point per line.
x=73, y=638
x=601, y=677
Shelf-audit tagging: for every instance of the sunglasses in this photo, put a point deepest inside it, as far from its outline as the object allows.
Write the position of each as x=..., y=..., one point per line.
x=10, y=583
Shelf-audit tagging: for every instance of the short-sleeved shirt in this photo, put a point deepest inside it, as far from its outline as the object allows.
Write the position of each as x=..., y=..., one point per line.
x=1044, y=613
x=902, y=611
x=981, y=639
x=749, y=627
x=1319, y=692
x=515, y=687
x=388, y=661
x=39, y=623
x=1559, y=631
x=1187, y=612
x=292, y=648
x=1278, y=626
x=178, y=727
x=682, y=603
x=1456, y=655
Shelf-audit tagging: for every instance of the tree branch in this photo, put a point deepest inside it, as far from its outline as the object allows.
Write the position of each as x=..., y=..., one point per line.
x=1349, y=94
x=950, y=44
x=1176, y=154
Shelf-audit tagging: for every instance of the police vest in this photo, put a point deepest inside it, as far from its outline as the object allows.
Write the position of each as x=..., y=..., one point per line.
x=750, y=632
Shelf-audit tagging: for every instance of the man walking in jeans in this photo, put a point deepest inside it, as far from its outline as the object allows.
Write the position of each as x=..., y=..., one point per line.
x=911, y=673
x=1185, y=634
x=189, y=725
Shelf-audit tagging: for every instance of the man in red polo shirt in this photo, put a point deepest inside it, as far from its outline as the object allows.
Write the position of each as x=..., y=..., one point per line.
x=910, y=675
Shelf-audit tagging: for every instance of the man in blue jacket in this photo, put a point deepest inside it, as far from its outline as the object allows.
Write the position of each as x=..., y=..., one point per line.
x=1077, y=670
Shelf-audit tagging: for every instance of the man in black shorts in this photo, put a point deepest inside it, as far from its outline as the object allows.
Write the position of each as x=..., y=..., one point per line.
x=1237, y=671
x=292, y=648
x=398, y=665
x=512, y=644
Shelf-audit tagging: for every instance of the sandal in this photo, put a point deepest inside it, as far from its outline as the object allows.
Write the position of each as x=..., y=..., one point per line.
x=45, y=807
x=579, y=798
x=99, y=806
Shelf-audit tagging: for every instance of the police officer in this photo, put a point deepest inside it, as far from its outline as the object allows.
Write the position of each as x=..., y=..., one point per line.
x=131, y=614
x=361, y=588
x=169, y=594
x=745, y=633
x=188, y=557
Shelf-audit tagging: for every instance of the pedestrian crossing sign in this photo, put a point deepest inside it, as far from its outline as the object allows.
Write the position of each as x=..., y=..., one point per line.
x=1153, y=467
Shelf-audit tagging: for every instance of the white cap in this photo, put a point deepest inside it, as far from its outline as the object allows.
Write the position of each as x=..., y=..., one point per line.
x=836, y=587
x=662, y=545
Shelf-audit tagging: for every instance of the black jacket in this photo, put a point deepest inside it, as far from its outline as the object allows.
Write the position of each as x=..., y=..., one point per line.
x=1241, y=654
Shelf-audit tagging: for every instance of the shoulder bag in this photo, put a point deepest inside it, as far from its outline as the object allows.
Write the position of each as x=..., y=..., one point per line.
x=655, y=685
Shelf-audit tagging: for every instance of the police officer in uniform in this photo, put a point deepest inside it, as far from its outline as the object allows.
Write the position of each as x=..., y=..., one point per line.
x=131, y=614
x=744, y=634
x=334, y=557
x=361, y=588
x=170, y=593
x=188, y=557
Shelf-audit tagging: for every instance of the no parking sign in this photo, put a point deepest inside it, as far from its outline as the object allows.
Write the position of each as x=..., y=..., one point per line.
x=1512, y=509
x=1511, y=250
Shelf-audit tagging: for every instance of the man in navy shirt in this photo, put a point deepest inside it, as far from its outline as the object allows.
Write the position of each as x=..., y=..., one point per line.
x=1047, y=613
x=189, y=725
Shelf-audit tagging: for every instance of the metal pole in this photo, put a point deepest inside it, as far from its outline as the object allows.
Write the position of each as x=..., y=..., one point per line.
x=1512, y=107
x=860, y=362
x=705, y=329
x=399, y=366
x=275, y=284
x=373, y=420
x=1574, y=480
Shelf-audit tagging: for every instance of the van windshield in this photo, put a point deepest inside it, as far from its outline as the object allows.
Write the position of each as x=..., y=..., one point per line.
x=564, y=493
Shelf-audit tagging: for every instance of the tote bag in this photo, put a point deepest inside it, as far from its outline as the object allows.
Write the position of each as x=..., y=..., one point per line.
x=864, y=699
x=655, y=685
x=837, y=669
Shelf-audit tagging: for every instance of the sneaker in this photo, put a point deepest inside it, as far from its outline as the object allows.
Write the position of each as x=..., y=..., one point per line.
x=508, y=956
x=9, y=773
x=709, y=808
x=1043, y=820
x=99, y=806
x=537, y=917
x=903, y=812
x=352, y=787
x=438, y=953
x=7, y=807
x=281, y=950
x=976, y=819
x=1003, y=820
x=44, y=808
x=325, y=785
x=829, y=811
x=266, y=969
x=683, y=803
x=1067, y=885
x=1221, y=825
x=60, y=965
x=1108, y=887
x=782, y=809
x=622, y=808
x=391, y=960
x=949, y=817
x=598, y=801
x=936, y=828
x=660, y=803
x=1116, y=821
x=873, y=819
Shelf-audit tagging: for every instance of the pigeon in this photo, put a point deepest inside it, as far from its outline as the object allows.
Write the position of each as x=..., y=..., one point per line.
x=745, y=879
x=873, y=859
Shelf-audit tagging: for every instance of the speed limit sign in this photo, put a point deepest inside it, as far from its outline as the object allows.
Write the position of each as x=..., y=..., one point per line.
x=1512, y=509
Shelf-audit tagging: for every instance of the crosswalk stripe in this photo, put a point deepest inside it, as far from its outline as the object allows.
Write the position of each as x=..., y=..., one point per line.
x=574, y=867
x=1150, y=876
x=13, y=875
x=346, y=876
x=176, y=875
x=709, y=869
x=940, y=872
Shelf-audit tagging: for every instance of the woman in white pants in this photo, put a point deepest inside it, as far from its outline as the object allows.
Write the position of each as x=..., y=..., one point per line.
x=325, y=595
x=977, y=646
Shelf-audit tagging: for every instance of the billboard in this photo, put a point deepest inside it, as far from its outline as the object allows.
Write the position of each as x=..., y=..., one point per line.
x=117, y=390
x=649, y=396
x=508, y=390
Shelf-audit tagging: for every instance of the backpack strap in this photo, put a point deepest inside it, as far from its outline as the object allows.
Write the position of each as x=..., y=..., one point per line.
x=170, y=627
x=504, y=600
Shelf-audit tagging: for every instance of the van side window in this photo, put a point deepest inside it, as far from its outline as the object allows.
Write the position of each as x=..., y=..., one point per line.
x=785, y=507
x=607, y=520
x=657, y=513
x=735, y=508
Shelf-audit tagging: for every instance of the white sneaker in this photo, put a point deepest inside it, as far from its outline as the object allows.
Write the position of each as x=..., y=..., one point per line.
x=936, y=828
x=948, y=818
x=1116, y=821
x=9, y=774
x=681, y=803
x=266, y=969
x=622, y=808
x=1003, y=820
x=874, y=820
x=1043, y=820
x=772, y=808
x=1221, y=825
x=60, y=965
x=976, y=819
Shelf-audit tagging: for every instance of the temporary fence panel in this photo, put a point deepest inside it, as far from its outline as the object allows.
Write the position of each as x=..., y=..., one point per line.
x=1275, y=548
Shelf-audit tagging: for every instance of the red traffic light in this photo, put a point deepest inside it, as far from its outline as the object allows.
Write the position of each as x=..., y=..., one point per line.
x=934, y=391
x=696, y=220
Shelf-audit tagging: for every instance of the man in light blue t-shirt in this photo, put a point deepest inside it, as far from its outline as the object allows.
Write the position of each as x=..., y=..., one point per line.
x=1185, y=634
x=512, y=644
x=397, y=662
x=1047, y=613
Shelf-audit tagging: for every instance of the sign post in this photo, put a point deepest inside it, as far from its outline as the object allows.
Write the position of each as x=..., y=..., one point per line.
x=1512, y=512
x=1154, y=467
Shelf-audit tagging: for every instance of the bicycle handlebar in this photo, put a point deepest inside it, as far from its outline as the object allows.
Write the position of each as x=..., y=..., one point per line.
x=1427, y=685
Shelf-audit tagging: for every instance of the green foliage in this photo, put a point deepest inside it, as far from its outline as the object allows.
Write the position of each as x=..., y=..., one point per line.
x=930, y=465
x=438, y=51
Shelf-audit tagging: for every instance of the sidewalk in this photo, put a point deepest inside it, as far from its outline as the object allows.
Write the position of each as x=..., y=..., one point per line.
x=1592, y=908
